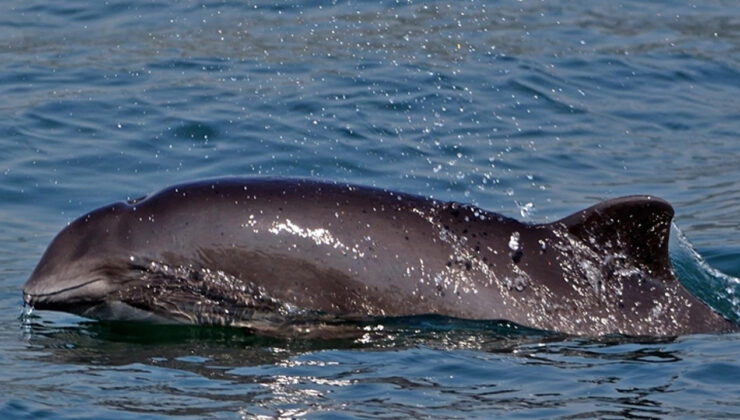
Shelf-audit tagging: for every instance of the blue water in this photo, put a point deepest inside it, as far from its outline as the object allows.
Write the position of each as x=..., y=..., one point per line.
x=534, y=109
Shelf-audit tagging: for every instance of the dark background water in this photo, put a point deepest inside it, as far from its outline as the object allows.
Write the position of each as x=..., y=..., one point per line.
x=533, y=109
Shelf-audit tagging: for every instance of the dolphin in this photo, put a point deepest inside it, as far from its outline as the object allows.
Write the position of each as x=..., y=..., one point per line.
x=270, y=254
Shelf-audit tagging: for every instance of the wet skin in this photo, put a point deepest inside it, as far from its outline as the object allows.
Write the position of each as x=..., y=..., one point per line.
x=266, y=253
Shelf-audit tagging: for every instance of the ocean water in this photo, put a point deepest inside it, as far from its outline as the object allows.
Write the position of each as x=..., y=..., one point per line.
x=534, y=109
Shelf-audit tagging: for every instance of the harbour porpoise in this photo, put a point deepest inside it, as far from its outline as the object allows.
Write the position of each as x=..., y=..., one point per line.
x=271, y=254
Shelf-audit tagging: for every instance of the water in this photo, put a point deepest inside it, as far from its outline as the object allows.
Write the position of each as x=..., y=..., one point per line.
x=534, y=109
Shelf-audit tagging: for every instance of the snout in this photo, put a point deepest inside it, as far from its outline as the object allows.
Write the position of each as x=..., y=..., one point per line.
x=34, y=293
x=48, y=293
x=28, y=297
x=90, y=299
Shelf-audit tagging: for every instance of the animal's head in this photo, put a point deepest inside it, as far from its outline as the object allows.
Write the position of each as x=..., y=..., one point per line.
x=84, y=266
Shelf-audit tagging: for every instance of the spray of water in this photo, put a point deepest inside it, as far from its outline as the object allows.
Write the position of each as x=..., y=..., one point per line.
x=715, y=288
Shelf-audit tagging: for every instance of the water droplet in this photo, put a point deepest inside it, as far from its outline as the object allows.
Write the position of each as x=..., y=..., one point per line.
x=514, y=241
x=526, y=210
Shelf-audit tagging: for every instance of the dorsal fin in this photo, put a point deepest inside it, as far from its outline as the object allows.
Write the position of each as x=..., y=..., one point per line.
x=636, y=226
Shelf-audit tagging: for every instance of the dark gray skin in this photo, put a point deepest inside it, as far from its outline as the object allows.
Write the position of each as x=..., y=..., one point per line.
x=270, y=254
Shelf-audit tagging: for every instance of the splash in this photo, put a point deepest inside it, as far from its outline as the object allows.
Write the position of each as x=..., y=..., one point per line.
x=715, y=288
x=26, y=314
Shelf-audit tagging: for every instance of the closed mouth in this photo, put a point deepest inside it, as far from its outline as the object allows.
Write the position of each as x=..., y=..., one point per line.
x=60, y=298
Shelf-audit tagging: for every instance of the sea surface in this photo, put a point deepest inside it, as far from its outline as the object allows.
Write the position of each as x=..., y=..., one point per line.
x=533, y=109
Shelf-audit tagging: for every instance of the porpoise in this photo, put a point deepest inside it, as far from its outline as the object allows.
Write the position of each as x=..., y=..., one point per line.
x=271, y=254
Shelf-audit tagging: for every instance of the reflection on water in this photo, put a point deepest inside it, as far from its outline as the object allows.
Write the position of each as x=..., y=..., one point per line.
x=433, y=366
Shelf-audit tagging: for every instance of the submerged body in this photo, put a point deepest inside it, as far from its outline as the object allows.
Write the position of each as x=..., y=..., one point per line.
x=263, y=253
